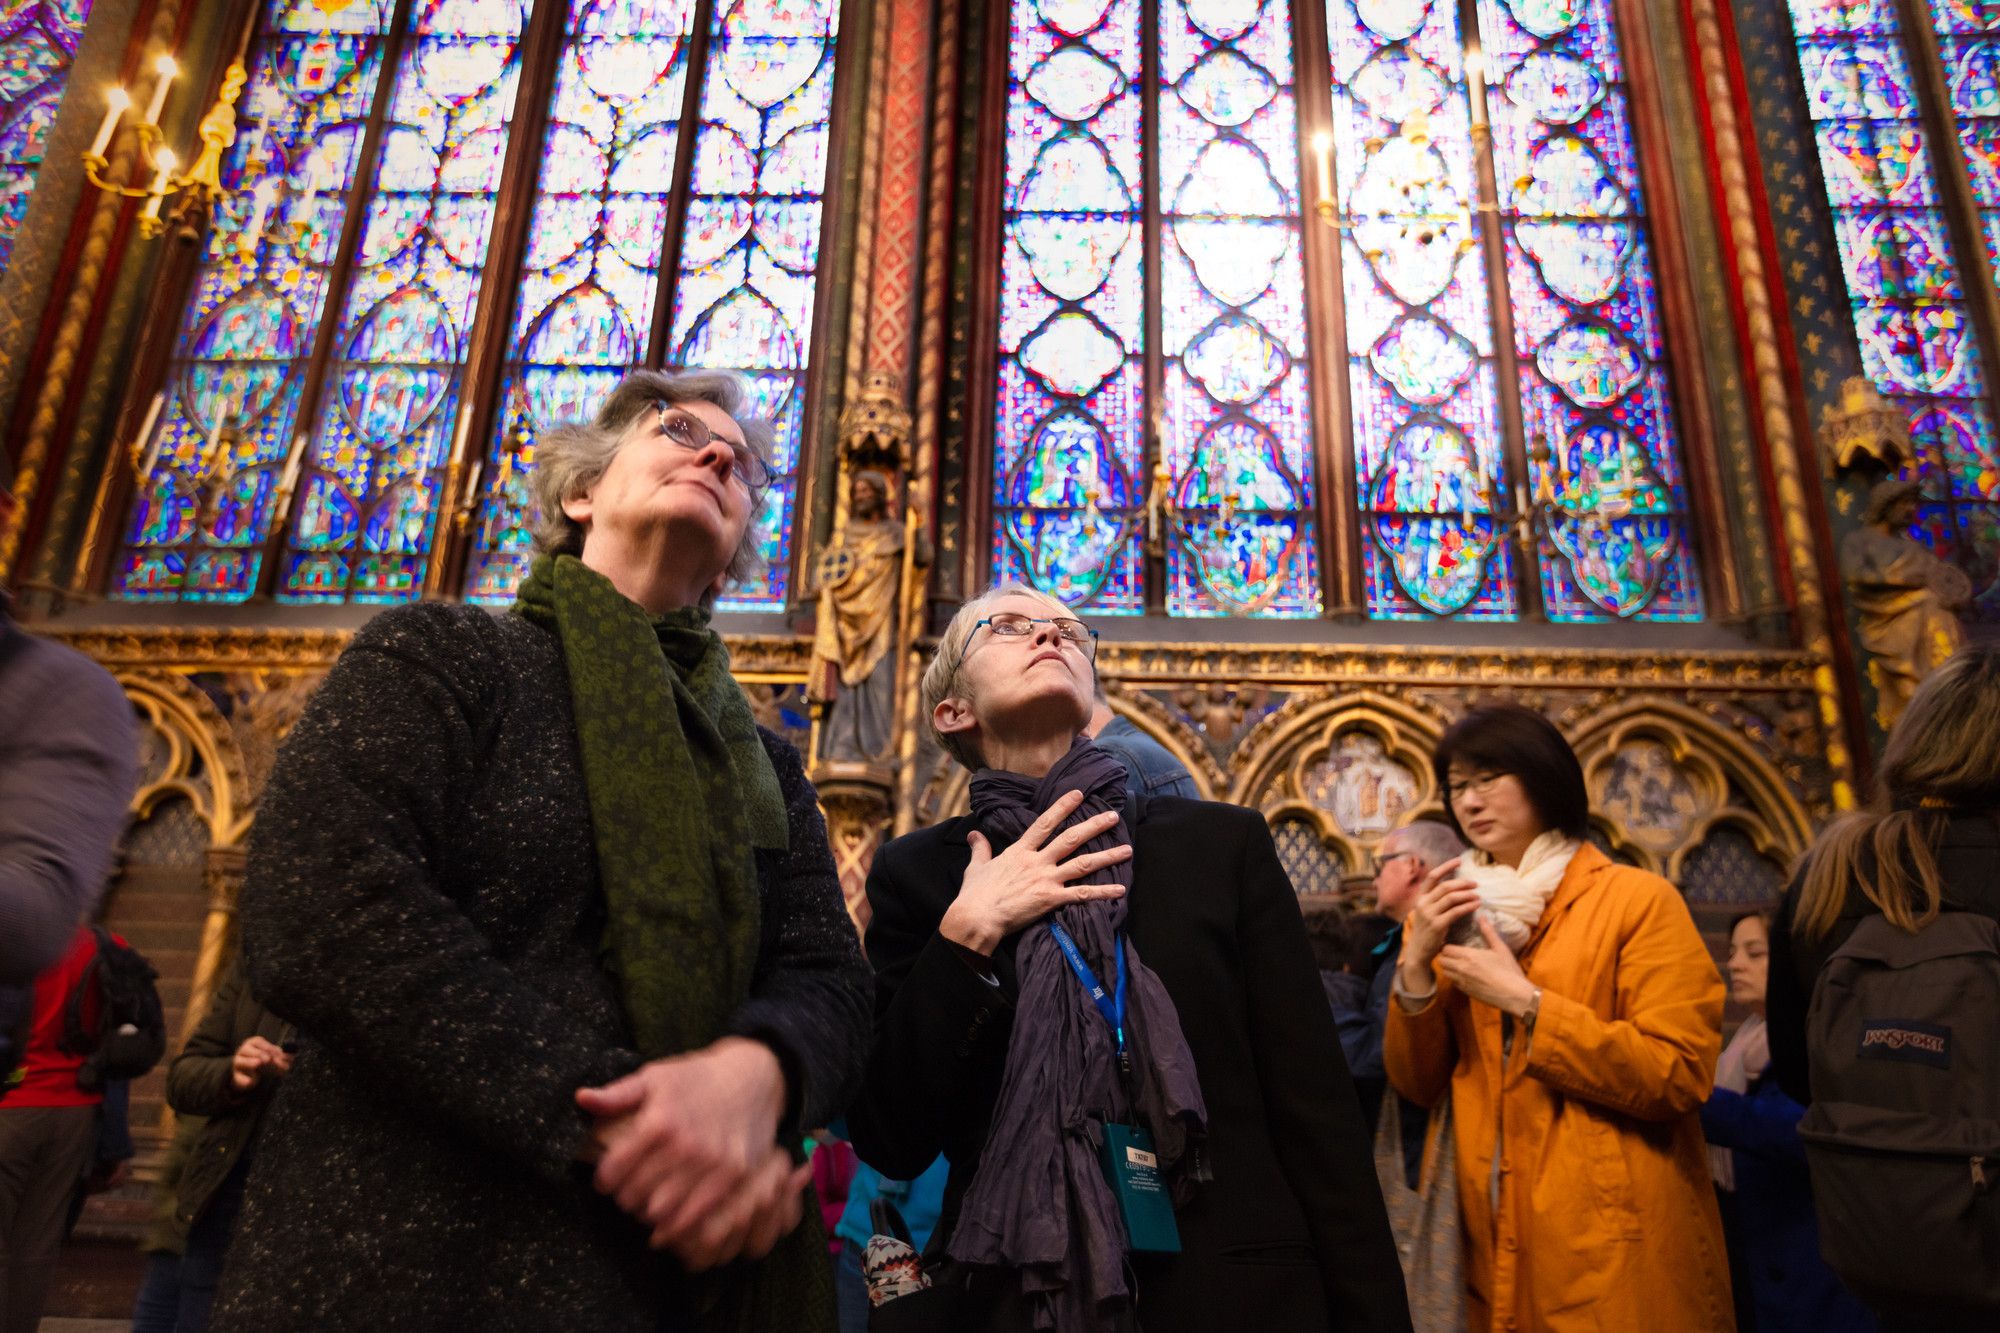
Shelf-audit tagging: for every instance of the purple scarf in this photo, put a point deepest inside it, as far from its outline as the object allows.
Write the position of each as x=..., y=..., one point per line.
x=1039, y=1204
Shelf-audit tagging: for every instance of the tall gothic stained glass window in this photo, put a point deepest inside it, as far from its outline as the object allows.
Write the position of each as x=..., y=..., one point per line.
x=1906, y=282
x=392, y=147
x=37, y=45
x=1534, y=305
x=591, y=274
x=204, y=506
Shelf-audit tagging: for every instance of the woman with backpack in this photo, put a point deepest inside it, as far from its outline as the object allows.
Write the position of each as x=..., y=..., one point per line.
x=1884, y=1009
x=1759, y=1164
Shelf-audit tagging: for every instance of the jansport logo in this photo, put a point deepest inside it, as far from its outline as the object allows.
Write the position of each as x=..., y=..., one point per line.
x=1904, y=1039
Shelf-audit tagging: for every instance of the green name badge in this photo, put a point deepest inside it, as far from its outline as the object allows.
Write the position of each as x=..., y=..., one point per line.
x=1133, y=1169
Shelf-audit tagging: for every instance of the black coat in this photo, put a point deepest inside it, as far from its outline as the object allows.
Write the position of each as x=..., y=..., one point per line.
x=1291, y=1233
x=1968, y=862
x=423, y=903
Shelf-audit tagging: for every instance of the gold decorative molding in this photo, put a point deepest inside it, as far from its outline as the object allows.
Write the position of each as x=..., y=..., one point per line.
x=1295, y=665
x=1753, y=288
x=754, y=657
x=875, y=428
x=1865, y=425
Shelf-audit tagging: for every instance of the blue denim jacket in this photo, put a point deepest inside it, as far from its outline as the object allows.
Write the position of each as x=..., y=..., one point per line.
x=1150, y=766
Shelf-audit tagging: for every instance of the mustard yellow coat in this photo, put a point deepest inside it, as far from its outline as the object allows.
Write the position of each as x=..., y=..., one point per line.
x=1600, y=1214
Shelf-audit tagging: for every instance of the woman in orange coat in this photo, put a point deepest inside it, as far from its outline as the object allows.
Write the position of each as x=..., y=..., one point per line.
x=1577, y=1073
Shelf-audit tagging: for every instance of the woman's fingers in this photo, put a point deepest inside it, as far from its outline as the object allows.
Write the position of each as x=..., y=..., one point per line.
x=1079, y=866
x=1050, y=820
x=1098, y=824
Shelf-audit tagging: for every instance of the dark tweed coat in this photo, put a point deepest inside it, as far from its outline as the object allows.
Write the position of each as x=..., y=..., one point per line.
x=423, y=903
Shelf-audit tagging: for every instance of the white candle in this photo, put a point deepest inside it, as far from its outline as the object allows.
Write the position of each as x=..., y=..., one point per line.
x=145, y=441
x=167, y=69
x=164, y=164
x=1323, y=159
x=266, y=197
x=119, y=102
x=293, y=463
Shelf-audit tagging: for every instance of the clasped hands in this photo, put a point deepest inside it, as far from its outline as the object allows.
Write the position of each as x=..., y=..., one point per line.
x=689, y=1147
x=1491, y=975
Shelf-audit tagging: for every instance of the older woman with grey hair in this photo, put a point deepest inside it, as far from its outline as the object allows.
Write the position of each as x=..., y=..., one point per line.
x=1076, y=989
x=560, y=927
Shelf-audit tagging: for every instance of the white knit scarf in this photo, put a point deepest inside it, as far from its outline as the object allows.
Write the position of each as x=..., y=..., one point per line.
x=1514, y=898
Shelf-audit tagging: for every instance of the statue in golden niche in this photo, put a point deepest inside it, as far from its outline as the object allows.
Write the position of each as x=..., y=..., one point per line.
x=1905, y=596
x=858, y=579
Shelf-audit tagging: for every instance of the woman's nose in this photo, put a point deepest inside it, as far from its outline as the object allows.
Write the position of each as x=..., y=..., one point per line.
x=717, y=457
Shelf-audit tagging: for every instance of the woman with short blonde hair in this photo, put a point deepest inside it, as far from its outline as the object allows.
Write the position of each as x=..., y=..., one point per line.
x=1072, y=971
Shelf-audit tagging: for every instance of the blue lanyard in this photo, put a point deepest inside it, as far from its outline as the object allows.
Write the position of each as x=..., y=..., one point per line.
x=1112, y=1006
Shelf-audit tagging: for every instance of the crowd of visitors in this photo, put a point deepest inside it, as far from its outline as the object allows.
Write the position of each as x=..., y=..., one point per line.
x=549, y=1014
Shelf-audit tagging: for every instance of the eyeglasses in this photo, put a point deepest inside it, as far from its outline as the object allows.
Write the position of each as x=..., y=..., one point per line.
x=1014, y=625
x=1381, y=860
x=1479, y=784
x=691, y=434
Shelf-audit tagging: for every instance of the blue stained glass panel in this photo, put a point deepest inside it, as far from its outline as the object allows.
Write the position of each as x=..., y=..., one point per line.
x=743, y=296
x=591, y=276
x=1594, y=398
x=366, y=516
x=1422, y=387
x=37, y=45
x=226, y=420
x=1069, y=439
x=1903, y=276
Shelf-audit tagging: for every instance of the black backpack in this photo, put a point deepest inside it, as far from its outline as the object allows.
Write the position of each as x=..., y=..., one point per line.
x=131, y=1033
x=17, y=1016
x=1903, y=1134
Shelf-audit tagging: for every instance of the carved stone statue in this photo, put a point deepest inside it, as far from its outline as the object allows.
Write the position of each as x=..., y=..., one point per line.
x=1905, y=596
x=857, y=579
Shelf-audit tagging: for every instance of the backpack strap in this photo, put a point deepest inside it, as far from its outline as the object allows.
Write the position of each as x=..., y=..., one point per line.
x=75, y=1040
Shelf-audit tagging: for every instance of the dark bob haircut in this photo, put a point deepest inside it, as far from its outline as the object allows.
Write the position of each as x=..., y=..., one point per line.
x=1507, y=738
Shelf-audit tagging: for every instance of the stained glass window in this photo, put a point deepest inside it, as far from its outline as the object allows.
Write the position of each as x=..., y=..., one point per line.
x=365, y=386
x=591, y=276
x=1428, y=461
x=743, y=296
x=37, y=44
x=1228, y=382
x=1586, y=317
x=1238, y=443
x=1904, y=283
x=1069, y=453
x=202, y=514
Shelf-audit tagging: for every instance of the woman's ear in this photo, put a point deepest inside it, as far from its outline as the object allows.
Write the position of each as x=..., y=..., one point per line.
x=953, y=716
x=578, y=508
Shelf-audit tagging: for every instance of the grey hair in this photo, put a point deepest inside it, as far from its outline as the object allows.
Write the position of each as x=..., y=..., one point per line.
x=944, y=664
x=571, y=458
x=1430, y=840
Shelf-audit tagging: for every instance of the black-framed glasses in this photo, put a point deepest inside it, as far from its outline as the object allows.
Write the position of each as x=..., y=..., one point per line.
x=1479, y=784
x=1014, y=625
x=1381, y=860
x=691, y=433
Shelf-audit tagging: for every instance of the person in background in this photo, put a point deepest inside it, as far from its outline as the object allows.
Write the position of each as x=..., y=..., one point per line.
x=1759, y=1166
x=1576, y=1076
x=561, y=931
x=157, y=1307
x=1402, y=860
x=1150, y=766
x=918, y=1202
x=69, y=763
x=48, y=1138
x=226, y=1076
x=992, y=1048
x=1927, y=845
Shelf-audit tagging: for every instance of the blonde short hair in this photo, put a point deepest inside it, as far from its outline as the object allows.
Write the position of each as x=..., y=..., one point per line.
x=943, y=668
x=571, y=458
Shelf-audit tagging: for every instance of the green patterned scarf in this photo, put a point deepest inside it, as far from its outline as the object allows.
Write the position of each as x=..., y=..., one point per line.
x=681, y=791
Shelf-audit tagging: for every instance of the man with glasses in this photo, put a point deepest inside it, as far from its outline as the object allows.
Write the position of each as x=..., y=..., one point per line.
x=1400, y=863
